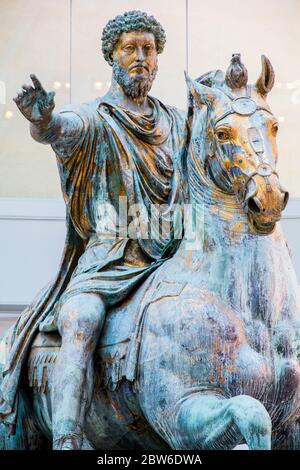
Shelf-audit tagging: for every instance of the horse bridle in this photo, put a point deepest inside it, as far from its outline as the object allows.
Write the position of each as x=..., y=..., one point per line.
x=243, y=105
x=246, y=106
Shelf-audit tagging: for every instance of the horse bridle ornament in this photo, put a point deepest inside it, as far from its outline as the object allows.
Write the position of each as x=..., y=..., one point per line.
x=243, y=105
x=246, y=106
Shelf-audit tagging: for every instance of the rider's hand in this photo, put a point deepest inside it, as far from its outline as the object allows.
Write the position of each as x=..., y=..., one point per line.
x=35, y=103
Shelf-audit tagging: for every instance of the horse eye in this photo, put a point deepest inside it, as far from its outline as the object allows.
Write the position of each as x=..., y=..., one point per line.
x=223, y=135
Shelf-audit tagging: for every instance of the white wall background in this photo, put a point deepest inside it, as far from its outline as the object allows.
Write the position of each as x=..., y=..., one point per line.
x=59, y=40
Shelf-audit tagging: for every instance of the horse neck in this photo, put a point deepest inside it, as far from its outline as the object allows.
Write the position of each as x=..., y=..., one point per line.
x=242, y=268
x=222, y=219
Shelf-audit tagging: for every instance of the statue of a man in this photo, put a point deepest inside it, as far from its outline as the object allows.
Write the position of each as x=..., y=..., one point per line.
x=123, y=145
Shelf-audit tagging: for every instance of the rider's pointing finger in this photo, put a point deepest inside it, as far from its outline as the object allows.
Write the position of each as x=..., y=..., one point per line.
x=36, y=82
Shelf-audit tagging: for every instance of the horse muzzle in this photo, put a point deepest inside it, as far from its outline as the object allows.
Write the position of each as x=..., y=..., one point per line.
x=265, y=199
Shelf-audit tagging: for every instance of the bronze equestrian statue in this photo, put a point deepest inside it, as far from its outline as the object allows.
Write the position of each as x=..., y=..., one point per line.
x=205, y=353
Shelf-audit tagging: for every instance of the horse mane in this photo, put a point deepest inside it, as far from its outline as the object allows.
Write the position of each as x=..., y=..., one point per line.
x=197, y=122
x=212, y=79
x=197, y=143
x=195, y=154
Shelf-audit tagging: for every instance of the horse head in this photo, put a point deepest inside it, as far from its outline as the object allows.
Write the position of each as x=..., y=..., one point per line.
x=239, y=150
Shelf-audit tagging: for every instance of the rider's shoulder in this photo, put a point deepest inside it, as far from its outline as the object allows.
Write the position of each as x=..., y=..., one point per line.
x=178, y=114
x=87, y=105
x=86, y=110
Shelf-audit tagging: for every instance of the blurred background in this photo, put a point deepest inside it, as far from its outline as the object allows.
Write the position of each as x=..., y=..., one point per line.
x=60, y=41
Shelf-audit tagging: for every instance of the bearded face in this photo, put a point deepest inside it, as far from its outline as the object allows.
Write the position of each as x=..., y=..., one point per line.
x=134, y=86
x=135, y=63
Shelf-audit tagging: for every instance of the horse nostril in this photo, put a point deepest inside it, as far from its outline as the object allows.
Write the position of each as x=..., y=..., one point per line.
x=285, y=199
x=254, y=205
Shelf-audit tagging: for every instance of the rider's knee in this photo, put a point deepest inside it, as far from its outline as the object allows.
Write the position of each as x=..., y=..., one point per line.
x=81, y=315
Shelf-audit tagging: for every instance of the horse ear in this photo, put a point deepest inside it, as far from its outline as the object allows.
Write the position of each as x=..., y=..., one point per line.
x=202, y=94
x=266, y=79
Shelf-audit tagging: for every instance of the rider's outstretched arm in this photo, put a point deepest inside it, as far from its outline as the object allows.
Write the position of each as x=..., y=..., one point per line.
x=46, y=126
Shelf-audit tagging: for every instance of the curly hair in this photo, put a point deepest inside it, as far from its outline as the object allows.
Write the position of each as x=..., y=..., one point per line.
x=134, y=20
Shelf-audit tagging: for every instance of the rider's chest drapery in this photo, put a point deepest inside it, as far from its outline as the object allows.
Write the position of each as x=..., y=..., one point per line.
x=125, y=155
x=132, y=157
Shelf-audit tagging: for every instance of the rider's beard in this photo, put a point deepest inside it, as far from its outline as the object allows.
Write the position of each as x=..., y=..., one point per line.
x=136, y=86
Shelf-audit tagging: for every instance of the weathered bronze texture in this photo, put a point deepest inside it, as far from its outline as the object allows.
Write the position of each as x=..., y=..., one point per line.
x=205, y=353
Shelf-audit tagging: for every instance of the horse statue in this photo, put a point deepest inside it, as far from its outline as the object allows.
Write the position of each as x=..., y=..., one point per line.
x=205, y=355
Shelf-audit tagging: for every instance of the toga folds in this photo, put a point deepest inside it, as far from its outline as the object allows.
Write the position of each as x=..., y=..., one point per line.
x=105, y=154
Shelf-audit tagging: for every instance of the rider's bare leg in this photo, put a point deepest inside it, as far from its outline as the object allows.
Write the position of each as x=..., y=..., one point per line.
x=80, y=322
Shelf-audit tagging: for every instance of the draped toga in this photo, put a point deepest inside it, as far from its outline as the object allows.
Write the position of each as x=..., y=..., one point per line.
x=105, y=154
